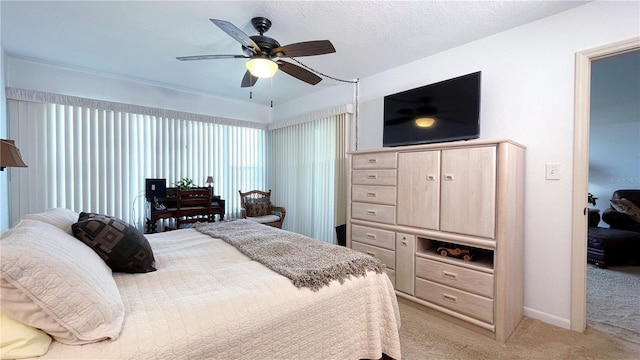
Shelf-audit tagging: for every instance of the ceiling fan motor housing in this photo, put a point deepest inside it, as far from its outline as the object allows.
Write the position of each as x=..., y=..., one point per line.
x=265, y=43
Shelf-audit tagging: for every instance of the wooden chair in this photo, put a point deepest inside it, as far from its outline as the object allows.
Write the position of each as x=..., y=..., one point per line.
x=193, y=205
x=256, y=205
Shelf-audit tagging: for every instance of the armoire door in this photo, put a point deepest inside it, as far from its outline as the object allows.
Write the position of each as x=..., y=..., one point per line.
x=419, y=189
x=468, y=191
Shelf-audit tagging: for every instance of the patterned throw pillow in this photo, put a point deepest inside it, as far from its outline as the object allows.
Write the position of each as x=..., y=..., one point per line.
x=626, y=207
x=260, y=208
x=119, y=244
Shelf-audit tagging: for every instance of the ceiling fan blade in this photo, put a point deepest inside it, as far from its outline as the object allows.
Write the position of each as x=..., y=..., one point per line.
x=237, y=34
x=248, y=80
x=209, y=57
x=306, y=48
x=299, y=73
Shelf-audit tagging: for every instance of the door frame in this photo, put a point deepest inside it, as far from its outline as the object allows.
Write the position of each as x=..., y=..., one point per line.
x=582, y=110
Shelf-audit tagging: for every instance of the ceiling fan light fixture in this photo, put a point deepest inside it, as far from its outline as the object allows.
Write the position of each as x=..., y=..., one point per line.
x=425, y=122
x=262, y=67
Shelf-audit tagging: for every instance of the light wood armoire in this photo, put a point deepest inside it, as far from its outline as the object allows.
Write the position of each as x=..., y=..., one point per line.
x=410, y=206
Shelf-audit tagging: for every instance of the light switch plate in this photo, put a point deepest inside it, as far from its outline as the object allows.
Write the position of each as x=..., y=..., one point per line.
x=552, y=171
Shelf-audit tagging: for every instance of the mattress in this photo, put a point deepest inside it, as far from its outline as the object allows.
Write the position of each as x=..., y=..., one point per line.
x=209, y=301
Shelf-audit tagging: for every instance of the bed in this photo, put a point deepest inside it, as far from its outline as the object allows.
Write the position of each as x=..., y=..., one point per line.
x=205, y=300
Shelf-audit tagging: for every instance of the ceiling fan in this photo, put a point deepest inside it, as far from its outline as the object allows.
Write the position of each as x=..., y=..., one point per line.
x=265, y=54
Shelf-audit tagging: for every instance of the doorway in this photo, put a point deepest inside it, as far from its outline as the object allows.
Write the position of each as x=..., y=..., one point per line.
x=581, y=172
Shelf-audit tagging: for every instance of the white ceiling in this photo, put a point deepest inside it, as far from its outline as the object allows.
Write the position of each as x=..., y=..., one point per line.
x=140, y=39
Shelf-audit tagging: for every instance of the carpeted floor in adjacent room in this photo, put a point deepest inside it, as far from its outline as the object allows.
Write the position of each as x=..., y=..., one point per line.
x=613, y=301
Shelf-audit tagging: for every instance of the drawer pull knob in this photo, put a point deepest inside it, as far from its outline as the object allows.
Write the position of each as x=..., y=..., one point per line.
x=372, y=176
x=371, y=212
x=431, y=177
x=403, y=242
x=449, y=275
x=371, y=194
x=371, y=236
x=373, y=161
x=450, y=298
x=448, y=177
x=371, y=253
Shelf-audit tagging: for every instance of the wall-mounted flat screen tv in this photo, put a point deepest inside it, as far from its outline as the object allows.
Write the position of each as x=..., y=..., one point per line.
x=445, y=111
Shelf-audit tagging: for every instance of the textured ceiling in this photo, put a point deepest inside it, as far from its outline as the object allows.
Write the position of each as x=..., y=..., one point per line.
x=140, y=39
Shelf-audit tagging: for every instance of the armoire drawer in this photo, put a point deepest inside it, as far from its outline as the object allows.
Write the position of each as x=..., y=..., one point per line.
x=469, y=304
x=381, y=238
x=388, y=257
x=385, y=195
x=374, y=161
x=374, y=212
x=460, y=278
x=374, y=177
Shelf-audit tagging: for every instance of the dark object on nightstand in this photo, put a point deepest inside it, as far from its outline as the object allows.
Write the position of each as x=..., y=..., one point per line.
x=341, y=234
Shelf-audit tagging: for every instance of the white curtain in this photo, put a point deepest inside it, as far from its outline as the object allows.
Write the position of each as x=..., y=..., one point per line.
x=94, y=159
x=308, y=175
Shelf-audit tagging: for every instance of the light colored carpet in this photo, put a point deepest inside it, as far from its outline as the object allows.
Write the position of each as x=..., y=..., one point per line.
x=424, y=335
x=613, y=300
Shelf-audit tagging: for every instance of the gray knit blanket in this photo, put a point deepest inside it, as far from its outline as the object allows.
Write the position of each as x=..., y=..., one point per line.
x=307, y=262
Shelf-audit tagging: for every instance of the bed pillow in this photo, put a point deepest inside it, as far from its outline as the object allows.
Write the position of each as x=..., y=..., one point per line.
x=53, y=282
x=60, y=217
x=120, y=245
x=20, y=341
x=626, y=207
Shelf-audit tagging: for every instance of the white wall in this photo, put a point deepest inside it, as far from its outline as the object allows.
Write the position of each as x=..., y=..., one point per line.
x=528, y=96
x=30, y=75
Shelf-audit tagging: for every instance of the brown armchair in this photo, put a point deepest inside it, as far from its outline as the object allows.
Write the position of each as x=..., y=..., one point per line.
x=620, y=220
x=256, y=205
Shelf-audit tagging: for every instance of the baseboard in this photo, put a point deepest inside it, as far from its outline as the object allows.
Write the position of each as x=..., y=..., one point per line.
x=547, y=318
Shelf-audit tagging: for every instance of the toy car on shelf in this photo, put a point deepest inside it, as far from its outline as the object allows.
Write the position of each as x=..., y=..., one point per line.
x=456, y=252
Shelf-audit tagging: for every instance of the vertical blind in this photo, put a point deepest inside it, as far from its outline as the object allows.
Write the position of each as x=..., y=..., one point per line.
x=309, y=175
x=88, y=159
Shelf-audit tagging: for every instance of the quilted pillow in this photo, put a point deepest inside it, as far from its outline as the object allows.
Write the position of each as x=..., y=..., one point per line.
x=119, y=244
x=51, y=281
x=261, y=208
x=60, y=217
x=626, y=207
x=21, y=341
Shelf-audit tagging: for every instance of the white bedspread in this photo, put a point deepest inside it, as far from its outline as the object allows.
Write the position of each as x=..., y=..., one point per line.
x=208, y=301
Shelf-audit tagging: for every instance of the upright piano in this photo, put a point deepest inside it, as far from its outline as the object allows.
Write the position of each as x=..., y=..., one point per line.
x=166, y=208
